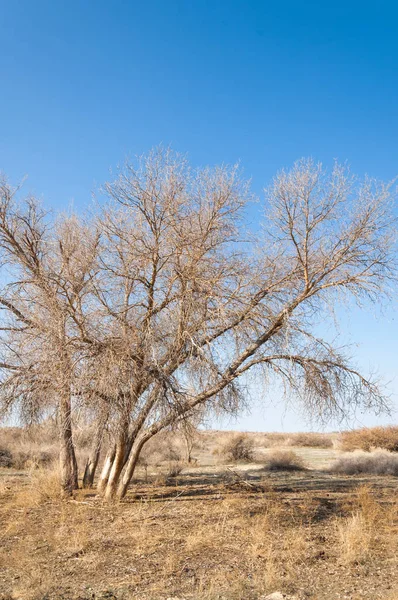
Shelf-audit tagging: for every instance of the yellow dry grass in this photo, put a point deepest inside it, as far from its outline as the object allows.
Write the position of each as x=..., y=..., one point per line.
x=198, y=541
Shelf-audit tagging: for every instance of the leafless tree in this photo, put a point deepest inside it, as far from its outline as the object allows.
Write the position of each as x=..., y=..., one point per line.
x=45, y=271
x=178, y=303
x=200, y=319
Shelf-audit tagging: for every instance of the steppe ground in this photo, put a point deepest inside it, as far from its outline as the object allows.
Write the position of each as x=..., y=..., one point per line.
x=214, y=531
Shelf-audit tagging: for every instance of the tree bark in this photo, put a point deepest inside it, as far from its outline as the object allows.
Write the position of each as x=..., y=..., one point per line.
x=130, y=468
x=92, y=461
x=117, y=467
x=106, y=469
x=67, y=457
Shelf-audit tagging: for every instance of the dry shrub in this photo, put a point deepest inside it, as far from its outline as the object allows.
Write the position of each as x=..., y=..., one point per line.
x=239, y=448
x=5, y=458
x=30, y=447
x=161, y=449
x=378, y=462
x=175, y=468
x=284, y=460
x=370, y=438
x=310, y=440
x=355, y=536
x=270, y=440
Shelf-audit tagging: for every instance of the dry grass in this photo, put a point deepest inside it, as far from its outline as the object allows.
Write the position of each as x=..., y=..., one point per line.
x=378, y=462
x=284, y=460
x=368, y=439
x=198, y=541
x=309, y=440
x=44, y=485
x=238, y=448
x=367, y=531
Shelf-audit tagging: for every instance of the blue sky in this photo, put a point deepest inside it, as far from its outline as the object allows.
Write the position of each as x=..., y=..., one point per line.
x=85, y=84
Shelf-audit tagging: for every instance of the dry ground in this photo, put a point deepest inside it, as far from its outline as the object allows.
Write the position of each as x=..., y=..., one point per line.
x=214, y=532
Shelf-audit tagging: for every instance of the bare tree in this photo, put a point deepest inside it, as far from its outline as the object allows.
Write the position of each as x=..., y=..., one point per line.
x=178, y=303
x=45, y=270
x=198, y=319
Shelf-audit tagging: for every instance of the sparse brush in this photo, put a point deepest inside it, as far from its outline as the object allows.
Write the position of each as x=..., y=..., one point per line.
x=239, y=448
x=44, y=486
x=379, y=462
x=370, y=438
x=5, y=458
x=358, y=533
x=283, y=460
x=174, y=468
x=310, y=440
x=355, y=535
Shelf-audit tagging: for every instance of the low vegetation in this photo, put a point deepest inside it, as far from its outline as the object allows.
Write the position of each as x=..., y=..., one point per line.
x=200, y=538
x=378, y=462
x=368, y=439
x=238, y=448
x=284, y=460
x=310, y=440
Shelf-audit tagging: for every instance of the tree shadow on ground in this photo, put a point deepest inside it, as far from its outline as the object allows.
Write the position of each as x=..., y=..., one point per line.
x=215, y=486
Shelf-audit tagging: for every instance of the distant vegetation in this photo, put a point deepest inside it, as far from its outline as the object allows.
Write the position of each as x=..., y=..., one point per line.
x=369, y=438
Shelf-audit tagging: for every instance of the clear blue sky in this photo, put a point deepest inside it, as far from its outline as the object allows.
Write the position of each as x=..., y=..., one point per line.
x=83, y=84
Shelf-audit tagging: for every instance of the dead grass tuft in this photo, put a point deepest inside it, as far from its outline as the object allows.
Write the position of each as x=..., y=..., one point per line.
x=284, y=460
x=361, y=534
x=379, y=462
x=44, y=485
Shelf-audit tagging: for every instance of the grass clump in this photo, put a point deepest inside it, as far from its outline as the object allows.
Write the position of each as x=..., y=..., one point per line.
x=378, y=462
x=284, y=460
x=361, y=534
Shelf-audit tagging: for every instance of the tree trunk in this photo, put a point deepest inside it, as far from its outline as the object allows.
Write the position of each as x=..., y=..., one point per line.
x=67, y=457
x=117, y=467
x=92, y=461
x=106, y=469
x=75, y=469
x=130, y=468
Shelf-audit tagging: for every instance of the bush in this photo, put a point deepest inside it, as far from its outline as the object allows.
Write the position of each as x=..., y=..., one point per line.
x=310, y=440
x=174, y=469
x=5, y=458
x=284, y=460
x=369, y=438
x=239, y=448
x=379, y=462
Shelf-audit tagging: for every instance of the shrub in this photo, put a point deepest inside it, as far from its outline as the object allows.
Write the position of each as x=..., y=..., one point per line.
x=284, y=460
x=379, y=462
x=239, y=447
x=370, y=438
x=174, y=469
x=5, y=458
x=310, y=440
